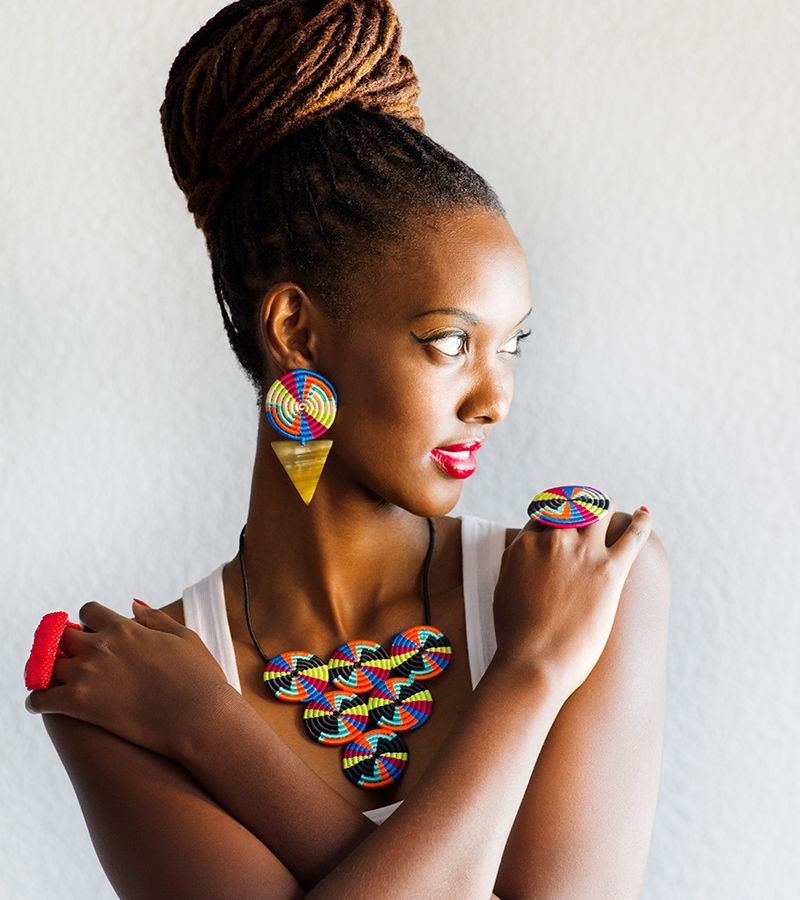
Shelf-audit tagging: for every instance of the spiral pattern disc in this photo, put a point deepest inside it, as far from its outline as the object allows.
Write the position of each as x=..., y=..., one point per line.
x=569, y=506
x=301, y=405
x=296, y=676
x=422, y=651
x=400, y=704
x=359, y=666
x=336, y=717
x=375, y=759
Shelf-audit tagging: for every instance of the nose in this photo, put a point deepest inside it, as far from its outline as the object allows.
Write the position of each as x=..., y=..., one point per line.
x=489, y=397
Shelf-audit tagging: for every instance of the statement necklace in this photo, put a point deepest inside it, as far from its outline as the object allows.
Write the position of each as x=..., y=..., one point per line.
x=364, y=696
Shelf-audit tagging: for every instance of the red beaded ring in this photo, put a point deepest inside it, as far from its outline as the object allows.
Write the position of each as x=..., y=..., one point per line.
x=45, y=649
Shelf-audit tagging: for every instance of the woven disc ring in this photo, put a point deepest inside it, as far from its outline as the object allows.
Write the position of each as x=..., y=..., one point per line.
x=359, y=666
x=422, y=652
x=569, y=506
x=296, y=676
x=400, y=704
x=301, y=405
x=375, y=759
x=336, y=717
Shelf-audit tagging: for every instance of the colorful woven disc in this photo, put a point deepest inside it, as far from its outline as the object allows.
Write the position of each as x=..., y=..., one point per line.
x=359, y=666
x=400, y=704
x=375, y=759
x=296, y=676
x=301, y=405
x=45, y=649
x=336, y=717
x=569, y=506
x=422, y=651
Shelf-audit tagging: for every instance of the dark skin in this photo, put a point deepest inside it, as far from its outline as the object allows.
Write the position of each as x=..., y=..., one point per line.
x=362, y=535
x=350, y=563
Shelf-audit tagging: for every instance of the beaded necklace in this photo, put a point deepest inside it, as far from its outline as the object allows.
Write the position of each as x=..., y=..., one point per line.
x=374, y=755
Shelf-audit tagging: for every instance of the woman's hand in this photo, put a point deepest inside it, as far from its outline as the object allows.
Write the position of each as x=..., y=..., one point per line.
x=558, y=592
x=149, y=679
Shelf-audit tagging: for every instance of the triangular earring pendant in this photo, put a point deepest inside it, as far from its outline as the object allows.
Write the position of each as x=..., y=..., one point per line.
x=303, y=463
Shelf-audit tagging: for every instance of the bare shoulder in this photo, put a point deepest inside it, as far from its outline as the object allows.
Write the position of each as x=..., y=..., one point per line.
x=175, y=611
x=651, y=563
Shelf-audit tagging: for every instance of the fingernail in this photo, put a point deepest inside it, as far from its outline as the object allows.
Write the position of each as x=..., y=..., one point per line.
x=644, y=508
x=141, y=602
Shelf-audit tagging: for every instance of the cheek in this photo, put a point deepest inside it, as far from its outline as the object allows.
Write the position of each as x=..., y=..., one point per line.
x=386, y=427
x=396, y=415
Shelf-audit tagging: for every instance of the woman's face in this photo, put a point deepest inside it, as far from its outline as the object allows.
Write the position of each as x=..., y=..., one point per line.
x=427, y=361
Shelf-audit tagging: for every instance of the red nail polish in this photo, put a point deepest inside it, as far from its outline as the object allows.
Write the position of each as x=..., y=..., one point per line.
x=136, y=600
x=644, y=508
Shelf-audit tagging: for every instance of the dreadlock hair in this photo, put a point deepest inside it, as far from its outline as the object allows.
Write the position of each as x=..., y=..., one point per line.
x=292, y=127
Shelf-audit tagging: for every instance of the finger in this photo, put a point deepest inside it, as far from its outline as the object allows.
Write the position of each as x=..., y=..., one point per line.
x=536, y=526
x=63, y=668
x=599, y=529
x=75, y=640
x=627, y=546
x=156, y=619
x=96, y=616
x=51, y=700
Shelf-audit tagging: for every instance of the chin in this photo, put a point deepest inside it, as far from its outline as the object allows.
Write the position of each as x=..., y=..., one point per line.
x=438, y=500
x=422, y=491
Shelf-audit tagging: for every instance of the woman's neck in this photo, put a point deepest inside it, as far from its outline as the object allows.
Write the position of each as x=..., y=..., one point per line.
x=330, y=568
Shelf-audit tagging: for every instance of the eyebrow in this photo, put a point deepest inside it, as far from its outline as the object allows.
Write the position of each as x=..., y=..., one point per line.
x=462, y=314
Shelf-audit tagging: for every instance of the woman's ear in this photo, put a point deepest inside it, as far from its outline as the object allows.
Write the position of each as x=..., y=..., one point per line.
x=288, y=327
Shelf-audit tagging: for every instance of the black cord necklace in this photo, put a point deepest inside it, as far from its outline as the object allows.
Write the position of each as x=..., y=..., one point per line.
x=425, y=595
x=374, y=755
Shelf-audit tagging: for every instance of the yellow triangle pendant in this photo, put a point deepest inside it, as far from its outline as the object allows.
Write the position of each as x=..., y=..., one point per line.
x=303, y=463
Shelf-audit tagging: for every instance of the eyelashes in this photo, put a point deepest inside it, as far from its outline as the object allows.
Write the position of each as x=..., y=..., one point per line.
x=456, y=341
x=520, y=336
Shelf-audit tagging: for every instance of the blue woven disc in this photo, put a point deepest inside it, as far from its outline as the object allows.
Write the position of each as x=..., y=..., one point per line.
x=569, y=506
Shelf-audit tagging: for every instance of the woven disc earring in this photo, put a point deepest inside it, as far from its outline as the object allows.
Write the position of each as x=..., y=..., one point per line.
x=302, y=406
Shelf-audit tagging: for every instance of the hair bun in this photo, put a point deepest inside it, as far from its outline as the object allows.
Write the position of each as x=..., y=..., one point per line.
x=257, y=72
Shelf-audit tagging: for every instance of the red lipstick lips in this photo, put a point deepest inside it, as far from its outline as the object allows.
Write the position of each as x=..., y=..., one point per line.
x=457, y=460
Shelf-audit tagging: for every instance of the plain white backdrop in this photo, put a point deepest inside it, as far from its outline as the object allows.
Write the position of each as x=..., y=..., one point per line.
x=648, y=154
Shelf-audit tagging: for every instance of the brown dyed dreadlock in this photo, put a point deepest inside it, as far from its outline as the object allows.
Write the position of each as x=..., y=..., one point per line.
x=293, y=129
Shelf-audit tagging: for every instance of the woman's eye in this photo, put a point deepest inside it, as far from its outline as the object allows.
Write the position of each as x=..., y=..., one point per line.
x=454, y=343
x=512, y=346
x=450, y=344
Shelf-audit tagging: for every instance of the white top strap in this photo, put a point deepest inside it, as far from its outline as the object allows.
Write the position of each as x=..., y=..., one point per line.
x=204, y=612
x=482, y=546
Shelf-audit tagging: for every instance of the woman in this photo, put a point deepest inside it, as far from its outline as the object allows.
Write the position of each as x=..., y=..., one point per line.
x=349, y=248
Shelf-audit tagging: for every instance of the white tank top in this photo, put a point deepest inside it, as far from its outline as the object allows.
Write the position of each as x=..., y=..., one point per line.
x=482, y=545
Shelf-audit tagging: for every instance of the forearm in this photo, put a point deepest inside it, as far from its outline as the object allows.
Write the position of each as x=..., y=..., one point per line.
x=156, y=831
x=470, y=782
x=267, y=788
x=439, y=836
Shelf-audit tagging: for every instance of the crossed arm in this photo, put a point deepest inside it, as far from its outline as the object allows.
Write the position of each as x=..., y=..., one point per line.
x=578, y=824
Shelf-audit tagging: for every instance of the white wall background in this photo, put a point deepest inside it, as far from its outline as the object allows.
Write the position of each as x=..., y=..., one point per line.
x=648, y=153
